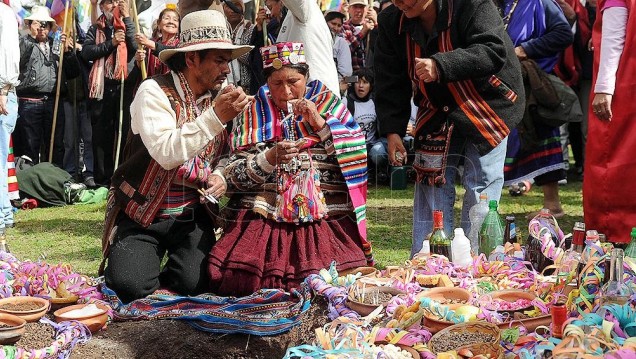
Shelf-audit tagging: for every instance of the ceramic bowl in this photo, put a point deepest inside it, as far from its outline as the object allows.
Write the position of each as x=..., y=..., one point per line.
x=57, y=303
x=12, y=330
x=94, y=322
x=511, y=295
x=443, y=294
x=365, y=271
x=29, y=315
x=365, y=309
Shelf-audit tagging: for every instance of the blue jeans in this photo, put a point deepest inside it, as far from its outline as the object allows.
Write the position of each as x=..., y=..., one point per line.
x=7, y=124
x=379, y=155
x=481, y=174
x=33, y=130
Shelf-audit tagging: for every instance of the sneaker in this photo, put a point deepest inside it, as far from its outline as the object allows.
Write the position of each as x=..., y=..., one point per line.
x=90, y=182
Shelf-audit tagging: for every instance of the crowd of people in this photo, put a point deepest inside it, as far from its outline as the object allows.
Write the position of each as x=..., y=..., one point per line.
x=279, y=107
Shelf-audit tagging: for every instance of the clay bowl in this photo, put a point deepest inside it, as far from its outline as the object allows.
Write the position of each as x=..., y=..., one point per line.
x=13, y=330
x=445, y=294
x=365, y=309
x=414, y=353
x=509, y=296
x=57, y=303
x=94, y=322
x=31, y=315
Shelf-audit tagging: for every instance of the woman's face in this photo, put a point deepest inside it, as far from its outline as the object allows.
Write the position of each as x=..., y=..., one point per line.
x=335, y=25
x=363, y=87
x=169, y=23
x=286, y=84
x=275, y=7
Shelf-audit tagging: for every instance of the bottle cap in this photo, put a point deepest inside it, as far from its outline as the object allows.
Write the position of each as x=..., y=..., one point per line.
x=459, y=232
x=492, y=204
x=483, y=196
x=633, y=235
x=510, y=218
x=438, y=218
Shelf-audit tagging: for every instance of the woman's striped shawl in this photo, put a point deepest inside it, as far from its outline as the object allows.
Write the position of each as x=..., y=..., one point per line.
x=261, y=122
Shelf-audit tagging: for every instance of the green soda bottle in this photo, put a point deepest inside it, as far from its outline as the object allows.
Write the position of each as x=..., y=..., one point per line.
x=630, y=251
x=491, y=233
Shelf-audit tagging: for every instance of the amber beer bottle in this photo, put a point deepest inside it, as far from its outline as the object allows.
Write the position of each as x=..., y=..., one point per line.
x=440, y=242
x=510, y=233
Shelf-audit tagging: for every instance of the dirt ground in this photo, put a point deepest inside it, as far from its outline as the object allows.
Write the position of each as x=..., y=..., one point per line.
x=176, y=339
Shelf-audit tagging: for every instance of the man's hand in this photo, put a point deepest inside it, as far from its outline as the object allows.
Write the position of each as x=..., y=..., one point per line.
x=231, y=103
x=426, y=69
x=4, y=110
x=397, y=152
x=261, y=16
x=140, y=55
x=216, y=187
x=124, y=8
x=602, y=106
x=521, y=53
x=118, y=36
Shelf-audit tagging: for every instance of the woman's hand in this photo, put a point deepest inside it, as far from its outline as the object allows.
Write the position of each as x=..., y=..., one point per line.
x=602, y=106
x=142, y=40
x=283, y=152
x=307, y=109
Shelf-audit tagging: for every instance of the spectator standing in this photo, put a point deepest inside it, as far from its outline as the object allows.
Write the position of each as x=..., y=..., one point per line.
x=9, y=73
x=167, y=38
x=469, y=94
x=241, y=29
x=341, y=52
x=109, y=49
x=608, y=201
x=358, y=31
x=37, y=89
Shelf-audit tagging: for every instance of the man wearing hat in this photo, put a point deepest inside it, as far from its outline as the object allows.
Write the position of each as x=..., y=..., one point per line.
x=173, y=157
x=358, y=31
x=37, y=89
x=110, y=46
x=341, y=52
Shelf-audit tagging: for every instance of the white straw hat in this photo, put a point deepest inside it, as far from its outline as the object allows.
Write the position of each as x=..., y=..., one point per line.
x=40, y=13
x=203, y=30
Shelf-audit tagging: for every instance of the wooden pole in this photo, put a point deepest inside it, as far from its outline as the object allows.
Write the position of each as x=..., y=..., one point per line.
x=59, y=82
x=142, y=65
x=257, y=6
x=121, y=120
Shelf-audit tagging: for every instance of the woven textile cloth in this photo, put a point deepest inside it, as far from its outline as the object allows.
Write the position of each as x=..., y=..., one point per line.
x=266, y=312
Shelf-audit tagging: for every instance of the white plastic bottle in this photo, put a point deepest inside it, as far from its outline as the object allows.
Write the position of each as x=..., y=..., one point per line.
x=476, y=216
x=460, y=248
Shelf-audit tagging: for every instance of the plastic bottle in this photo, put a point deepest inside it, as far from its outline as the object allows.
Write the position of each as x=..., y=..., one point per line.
x=492, y=230
x=476, y=216
x=630, y=251
x=461, y=249
x=57, y=39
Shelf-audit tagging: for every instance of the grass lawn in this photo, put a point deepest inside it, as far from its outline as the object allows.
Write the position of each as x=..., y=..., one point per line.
x=72, y=234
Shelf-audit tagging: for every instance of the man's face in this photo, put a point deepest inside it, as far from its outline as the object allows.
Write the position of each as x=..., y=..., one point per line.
x=211, y=68
x=40, y=30
x=107, y=7
x=335, y=25
x=357, y=13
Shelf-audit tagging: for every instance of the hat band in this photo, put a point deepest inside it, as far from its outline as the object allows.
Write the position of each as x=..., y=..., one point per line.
x=203, y=35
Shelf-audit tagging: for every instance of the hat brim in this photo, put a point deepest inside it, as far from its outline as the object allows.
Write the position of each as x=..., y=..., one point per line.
x=38, y=18
x=237, y=50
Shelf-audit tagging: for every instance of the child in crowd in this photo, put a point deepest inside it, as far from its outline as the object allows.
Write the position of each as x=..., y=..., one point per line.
x=360, y=103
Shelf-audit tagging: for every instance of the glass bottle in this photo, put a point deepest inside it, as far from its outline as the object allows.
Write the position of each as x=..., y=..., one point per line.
x=510, y=233
x=492, y=230
x=630, y=251
x=578, y=237
x=534, y=255
x=440, y=242
x=615, y=291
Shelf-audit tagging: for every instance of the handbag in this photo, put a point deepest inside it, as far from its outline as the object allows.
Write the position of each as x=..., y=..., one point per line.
x=554, y=103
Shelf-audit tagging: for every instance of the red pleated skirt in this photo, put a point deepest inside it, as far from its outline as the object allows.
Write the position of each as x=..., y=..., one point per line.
x=257, y=253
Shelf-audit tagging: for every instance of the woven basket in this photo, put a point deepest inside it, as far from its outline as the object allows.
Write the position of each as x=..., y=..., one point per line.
x=472, y=327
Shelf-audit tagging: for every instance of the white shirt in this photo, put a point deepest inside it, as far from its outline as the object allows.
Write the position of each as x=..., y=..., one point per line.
x=9, y=47
x=305, y=23
x=156, y=123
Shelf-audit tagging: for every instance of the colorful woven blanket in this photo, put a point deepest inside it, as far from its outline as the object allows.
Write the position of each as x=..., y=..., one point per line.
x=266, y=312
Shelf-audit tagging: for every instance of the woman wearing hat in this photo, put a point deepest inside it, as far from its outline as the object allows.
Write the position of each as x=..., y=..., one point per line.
x=297, y=178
